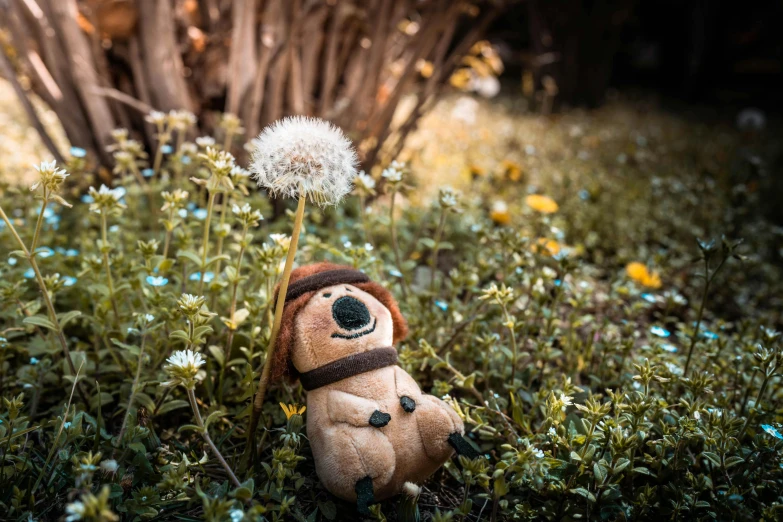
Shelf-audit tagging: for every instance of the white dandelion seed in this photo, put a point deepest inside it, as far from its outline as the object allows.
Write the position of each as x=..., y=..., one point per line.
x=304, y=157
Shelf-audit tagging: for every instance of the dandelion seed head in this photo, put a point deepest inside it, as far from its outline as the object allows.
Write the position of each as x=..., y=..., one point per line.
x=301, y=156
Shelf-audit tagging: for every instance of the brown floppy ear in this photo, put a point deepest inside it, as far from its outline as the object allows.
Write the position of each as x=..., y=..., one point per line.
x=281, y=362
x=387, y=299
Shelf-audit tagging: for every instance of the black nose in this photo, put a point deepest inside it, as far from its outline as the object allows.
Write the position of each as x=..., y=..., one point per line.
x=350, y=313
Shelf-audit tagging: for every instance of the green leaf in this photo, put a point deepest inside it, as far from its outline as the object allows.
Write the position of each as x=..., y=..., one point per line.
x=712, y=457
x=600, y=473
x=172, y=405
x=583, y=492
x=643, y=471
x=68, y=317
x=39, y=320
x=217, y=353
x=575, y=456
x=733, y=461
x=190, y=256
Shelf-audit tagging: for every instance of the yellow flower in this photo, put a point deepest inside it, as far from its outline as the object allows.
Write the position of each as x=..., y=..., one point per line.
x=292, y=409
x=499, y=213
x=476, y=171
x=543, y=204
x=513, y=171
x=546, y=246
x=638, y=272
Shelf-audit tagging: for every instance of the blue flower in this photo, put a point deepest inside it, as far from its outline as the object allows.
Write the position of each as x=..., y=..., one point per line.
x=669, y=348
x=148, y=173
x=208, y=276
x=78, y=152
x=182, y=213
x=186, y=160
x=709, y=335
x=33, y=360
x=29, y=273
x=114, y=228
x=200, y=213
x=157, y=281
x=45, y=252
x=442, y=305
x=12, y=261
x=69, y=280
x=49, y=212
x=71, y=252
x=191, y=206
x=66, y=425
x=650, y=298
x=771, y=430
x=87, y=199
x=166, y=149
x=659, y=331
x=395, y=273
x=584, y=195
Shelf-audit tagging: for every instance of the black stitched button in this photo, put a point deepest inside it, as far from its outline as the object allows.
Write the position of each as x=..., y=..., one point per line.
x=350, y=314
x=408, y=404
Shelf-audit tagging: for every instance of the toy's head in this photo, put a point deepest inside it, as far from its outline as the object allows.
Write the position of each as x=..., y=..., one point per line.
x=332, y=312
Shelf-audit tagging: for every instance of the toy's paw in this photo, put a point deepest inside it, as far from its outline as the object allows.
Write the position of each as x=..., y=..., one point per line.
x=462, y=446
x=378, y=419
x=364, y=496
x=408, y=404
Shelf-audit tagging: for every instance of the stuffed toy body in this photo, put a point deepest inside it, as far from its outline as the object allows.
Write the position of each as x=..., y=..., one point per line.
x=370, y=427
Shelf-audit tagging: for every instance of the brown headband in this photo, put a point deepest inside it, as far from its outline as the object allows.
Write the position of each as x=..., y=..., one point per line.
x=348, y=367
x=324, y=279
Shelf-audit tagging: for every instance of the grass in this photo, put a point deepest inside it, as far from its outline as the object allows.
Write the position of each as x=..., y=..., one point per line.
x=594, y=389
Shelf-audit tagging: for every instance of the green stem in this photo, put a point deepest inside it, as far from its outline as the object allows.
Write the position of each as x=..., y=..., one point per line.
x=208, y=439
x=436, y=246
x=38, y=224
x=133, y=389
x=397, y=258
x=707, y=280
x=105, y=253
x=47, y=301
x=205, y=241
x=231, y=311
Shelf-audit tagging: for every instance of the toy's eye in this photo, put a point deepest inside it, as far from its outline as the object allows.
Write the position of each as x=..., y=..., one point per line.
x=327, y=295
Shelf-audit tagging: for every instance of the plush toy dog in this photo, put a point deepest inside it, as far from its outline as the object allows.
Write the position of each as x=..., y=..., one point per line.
x=370, y=427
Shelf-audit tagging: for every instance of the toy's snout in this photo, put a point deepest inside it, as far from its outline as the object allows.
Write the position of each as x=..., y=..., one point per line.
x=350, y=314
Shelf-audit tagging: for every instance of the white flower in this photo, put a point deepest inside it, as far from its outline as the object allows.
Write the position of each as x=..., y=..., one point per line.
x=304, y=157
x=157, y=118
x=75, y=511
x=392, y=174
x=183, y=368
x=411, y=489
x=205, y=141
x=538, y=453
x=552, y=432
x=566, y=399
x=109, y=466
x=365, y=184
x=280, y=240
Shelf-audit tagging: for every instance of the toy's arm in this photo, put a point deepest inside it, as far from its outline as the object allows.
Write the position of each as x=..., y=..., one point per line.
x=353, y=410
x=407, y=389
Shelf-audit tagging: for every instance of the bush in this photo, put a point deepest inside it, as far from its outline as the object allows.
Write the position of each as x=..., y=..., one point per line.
x=601, y=378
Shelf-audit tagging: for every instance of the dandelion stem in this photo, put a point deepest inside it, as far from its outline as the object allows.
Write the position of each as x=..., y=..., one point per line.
x=205, y=241
x=47, y=301
x=398, y=260
x=263, y=382
x=208, y=439
x=134, y=387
